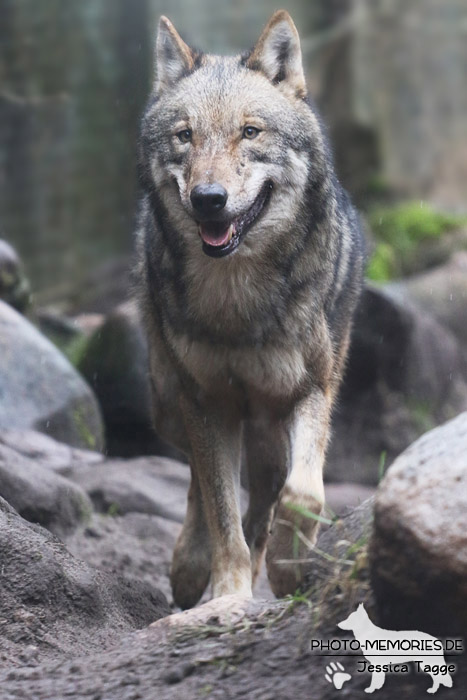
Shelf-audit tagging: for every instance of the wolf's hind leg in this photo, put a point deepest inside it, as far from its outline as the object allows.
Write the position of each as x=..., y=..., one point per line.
x=191, y=562
x=267, y=470
x=294, y=527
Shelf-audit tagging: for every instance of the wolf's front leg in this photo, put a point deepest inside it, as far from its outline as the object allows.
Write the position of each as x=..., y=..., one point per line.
x=267, y=453
x=191, y=562
x=294, y=527
x=215, y=433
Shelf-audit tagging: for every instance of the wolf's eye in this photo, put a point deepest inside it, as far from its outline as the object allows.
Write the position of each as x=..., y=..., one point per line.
x=250, y=132
x=184, y=136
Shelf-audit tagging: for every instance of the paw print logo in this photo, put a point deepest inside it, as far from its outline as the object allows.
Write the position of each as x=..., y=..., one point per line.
x=336, y=675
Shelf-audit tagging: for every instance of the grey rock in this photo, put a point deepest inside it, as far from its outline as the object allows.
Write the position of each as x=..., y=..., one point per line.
x=405, y=375
x=48, y=452
x=151, y=485
x=419, y=546
x=40, y=495
x=442, y=292
x=59, y=604
x=40, y=390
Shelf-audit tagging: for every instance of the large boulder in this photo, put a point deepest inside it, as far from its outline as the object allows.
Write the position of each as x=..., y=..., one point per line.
x=405, y=375
x=59, y=605
x=39, y=494
x=40, y=390
x=419, y=546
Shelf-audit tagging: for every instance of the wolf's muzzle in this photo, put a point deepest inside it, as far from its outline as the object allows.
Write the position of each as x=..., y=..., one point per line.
x=220, y=239
x=208, y=199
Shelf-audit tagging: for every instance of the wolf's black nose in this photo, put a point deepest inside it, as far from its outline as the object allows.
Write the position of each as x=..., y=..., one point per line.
x=208, y=199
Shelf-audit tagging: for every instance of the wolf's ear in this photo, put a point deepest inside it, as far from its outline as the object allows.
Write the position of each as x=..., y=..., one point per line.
x=173, y=57
x=278, y=55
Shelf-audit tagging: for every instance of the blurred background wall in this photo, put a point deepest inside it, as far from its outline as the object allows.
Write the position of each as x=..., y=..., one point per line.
x=390, y=77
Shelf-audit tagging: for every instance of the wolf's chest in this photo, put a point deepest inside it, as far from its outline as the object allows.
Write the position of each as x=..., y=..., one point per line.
x=273, y=370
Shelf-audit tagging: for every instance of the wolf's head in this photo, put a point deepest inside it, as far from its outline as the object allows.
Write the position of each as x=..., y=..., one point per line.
x=229, y=143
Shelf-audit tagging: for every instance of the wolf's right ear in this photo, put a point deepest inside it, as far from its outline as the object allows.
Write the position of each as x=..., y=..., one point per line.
x=174, y=58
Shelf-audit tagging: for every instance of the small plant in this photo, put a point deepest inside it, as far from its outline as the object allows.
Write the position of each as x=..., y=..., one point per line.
x=381, y=465
x=422, y=415
x=298, y=598
x=83, y=428
x=113, y=510
x=306, y=513
x=206, y=690
x=75, y=349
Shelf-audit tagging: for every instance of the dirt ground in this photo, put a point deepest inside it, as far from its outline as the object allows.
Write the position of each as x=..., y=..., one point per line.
x=225, y=649
x=265, y=656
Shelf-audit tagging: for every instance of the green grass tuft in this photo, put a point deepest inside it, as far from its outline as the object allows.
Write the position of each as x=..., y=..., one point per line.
x=83, y=428
x=301, y=510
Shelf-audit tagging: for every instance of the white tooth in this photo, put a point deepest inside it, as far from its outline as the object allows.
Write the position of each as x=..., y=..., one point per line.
x=231, y=231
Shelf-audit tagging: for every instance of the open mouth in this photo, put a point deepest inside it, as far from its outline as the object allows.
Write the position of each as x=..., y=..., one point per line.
x=220, y=239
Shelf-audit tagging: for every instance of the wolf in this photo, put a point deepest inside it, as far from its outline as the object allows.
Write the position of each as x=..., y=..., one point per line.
x=368, y=635
x=249, y=270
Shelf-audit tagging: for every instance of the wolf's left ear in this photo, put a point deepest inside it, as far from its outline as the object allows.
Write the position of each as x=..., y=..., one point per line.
x=277, y=54
x=174, y=58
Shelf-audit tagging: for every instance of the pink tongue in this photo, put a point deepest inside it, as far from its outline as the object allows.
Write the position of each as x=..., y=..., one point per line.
x=213, y=235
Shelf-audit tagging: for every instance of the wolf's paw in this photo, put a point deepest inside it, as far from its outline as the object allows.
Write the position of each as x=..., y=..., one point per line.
x=284, y=578
x=336, y=675
x=190, y=572
x=189, y=581
x=283, y=573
